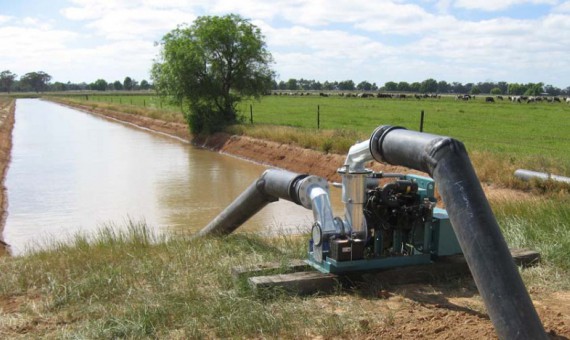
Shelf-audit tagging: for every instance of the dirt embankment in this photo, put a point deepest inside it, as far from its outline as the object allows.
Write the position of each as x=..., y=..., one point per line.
x=7, y=108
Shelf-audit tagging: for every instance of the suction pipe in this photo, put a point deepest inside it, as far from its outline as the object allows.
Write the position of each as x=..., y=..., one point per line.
x=496, y=276
x=312, y=192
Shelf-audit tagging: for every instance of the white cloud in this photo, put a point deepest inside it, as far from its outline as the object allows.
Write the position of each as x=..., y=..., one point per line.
x=498, y=5
x=4, y=19
x=562, y=8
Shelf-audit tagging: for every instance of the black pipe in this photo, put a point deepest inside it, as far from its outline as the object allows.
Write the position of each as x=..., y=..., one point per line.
x=496, y=276
x=272, y=185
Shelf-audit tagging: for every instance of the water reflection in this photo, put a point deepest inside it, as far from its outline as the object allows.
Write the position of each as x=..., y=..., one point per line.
x=72, y=171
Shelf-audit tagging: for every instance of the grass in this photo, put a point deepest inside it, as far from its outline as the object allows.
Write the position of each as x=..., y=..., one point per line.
x=526, y=135
x=136, y=285
x=130, y=283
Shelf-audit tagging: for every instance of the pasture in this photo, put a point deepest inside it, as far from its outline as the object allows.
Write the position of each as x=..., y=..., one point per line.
x=533, y=135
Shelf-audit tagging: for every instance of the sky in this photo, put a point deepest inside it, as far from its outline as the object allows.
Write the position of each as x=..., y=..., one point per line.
x=362, y=40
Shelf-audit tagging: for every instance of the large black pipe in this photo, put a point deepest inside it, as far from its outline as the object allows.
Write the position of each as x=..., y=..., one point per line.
x=272, y=185
x=496, y=276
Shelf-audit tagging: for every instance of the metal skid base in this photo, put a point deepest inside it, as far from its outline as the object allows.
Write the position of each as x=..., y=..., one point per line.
x=332, y=266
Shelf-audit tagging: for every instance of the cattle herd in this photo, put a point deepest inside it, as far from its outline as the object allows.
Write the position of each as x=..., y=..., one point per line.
x=464, y=97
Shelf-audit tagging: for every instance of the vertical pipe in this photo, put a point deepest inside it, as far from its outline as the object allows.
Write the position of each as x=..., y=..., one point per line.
x=422, y=122
x=496, y=276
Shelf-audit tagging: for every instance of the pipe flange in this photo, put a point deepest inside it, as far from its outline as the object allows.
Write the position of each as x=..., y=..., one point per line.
x=376, y=139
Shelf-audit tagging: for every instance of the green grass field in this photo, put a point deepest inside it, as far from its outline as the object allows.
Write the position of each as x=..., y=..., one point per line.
x=529, y=134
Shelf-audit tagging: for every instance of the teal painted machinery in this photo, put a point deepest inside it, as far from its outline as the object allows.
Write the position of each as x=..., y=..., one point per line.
x=403, y=227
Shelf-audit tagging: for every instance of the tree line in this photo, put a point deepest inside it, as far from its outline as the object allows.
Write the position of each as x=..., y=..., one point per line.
x=40, y=82
x=426, y=86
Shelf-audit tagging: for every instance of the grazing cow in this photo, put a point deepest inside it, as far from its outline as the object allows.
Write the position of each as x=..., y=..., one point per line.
x=323, y=94
x=489, y=100
x=556, y=99
x=568, y=100
x=500, y=97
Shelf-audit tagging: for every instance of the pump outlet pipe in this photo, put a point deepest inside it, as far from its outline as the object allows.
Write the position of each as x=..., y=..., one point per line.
x=311, y=192
x=508, y=304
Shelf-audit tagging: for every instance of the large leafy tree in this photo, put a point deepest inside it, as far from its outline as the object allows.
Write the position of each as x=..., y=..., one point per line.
x=7, y=79
x=210, y=66
x=36, y=81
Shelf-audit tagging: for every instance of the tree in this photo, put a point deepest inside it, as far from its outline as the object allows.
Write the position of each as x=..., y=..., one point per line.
x=415, y=86
x=210, y=66
x=496, y=91
x=475, y=90
x=390, y=86
x=346, y=85
x=7, y=79
x=128, y=83
x=364, y=86
x=36, y=81
x=404, y=86
x=442, y=87
x=145, y=85
x=117, y=85
x=428, y=86
x=292, y=84
x=98, y=85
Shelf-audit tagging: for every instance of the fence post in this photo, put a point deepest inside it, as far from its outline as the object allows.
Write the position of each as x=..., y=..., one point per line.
x=422, y=122
x=144, y=102
x=251, y=113
x=318, y=117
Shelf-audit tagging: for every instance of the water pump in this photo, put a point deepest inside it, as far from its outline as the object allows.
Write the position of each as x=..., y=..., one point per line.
x=401, y=226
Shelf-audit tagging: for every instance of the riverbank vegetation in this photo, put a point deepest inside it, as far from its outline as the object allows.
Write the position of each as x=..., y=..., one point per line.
x=135, y=284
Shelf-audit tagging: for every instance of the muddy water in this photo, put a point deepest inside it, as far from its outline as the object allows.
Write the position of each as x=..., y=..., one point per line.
x=72, y=172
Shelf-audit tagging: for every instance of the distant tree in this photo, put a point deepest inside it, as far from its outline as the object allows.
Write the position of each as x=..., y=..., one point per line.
x=36, y=81
x=390, y=86
x=144, y=85
x=428, y=86
x=364, y=86
x=442, y=87
x=58, y=86
x=515, y=89
x=317, y=86
x=496, y=91
x=7, y=79
x=534, y=89
x=292, y=84
x=128, y=84
x=210, y=66
x=98, y=85
x=566, y=91
x=475, y=90
x=415, y=86
x=504, y=86
x=346, y=85
x=282, y=85
x=457, y=87
x=328, y=86
x=403, y=86
x=117, y=85
x=374, y=87
x=552, y=90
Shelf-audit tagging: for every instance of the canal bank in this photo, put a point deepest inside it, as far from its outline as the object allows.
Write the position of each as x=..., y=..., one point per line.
x=7, y=108
x=284, y=156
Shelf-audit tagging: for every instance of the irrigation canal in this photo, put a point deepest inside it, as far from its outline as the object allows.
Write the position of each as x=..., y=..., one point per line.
x=73, y=172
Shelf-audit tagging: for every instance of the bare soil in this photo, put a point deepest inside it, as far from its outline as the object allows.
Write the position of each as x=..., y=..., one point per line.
x=406, y=312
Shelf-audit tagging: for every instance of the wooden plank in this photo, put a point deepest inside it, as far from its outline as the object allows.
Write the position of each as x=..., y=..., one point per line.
x=525, y=257
x=301, y=283
x=309, y=282
x=265, y=268
x=443, y=269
